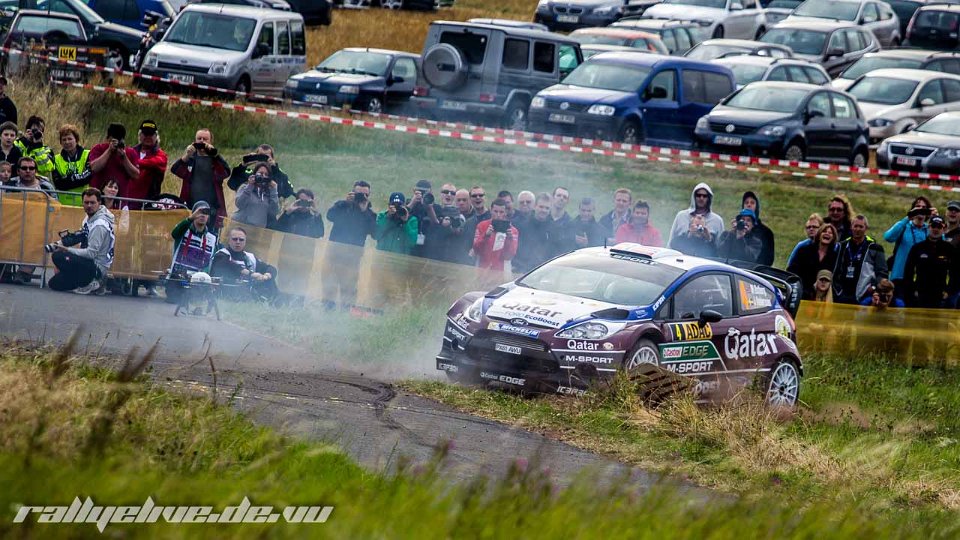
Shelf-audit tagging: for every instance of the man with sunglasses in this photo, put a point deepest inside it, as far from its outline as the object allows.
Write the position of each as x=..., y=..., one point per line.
x=930, y=276
x=477, y=198
x=445, y=240
x=701, y=203
x=27, y=177
x=239, y=268
x=952, y=218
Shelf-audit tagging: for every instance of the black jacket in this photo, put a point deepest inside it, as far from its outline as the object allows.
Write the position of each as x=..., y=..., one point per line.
x=591, y=229
x=447, y=243
x=534, y=245
x=301, y=223
x=350, y=224
x=930, y=272
x=806, y=264
x=762, y=233
x=240, y=173
x=561, y=235
x=739, y=249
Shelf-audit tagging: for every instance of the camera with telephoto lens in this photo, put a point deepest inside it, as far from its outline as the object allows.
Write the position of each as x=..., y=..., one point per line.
x=67, y=239
x=303, y=204
x=456, y=218
x=428, y=198
x=35, y=134
x=200, y=145
x=741, y=224
x=261, y=179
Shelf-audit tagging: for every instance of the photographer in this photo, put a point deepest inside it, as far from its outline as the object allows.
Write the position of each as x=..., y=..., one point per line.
x=422, y=206
x=697, y=240
x=71, y=168
x=495, y=241
x=257, y=201
x=238, y=267
x=113, y=159
x=301, y=216
x=84, y=267
x=738, y=243
x=353, y=221
x=194, y=245
x=203, y=171
x=263, y=154
x=445, y=239
x=906, y=233
x=31, y=145
x=396, y=228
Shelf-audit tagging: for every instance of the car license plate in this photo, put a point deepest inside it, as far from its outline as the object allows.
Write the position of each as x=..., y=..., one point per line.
x=562, y=118
x=65, y=74
x=312, y=98
x=568, y=18
x=188, y=79
x=454, y=105
x=727, y=140
x=908, y=161
x=507, y=348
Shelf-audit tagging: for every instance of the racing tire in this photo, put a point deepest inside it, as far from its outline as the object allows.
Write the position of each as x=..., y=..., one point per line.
x=860, y=159
x=630, y=133
x=717, y=33
x=782, y=384
x=794, y=152
x=644, y=352
x=516, y=117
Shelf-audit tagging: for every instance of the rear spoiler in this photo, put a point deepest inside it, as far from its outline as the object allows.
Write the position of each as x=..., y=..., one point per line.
x=789, y=285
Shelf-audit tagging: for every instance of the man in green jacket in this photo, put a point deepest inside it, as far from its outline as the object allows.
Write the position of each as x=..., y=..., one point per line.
x=31, y=145
x=396, y=228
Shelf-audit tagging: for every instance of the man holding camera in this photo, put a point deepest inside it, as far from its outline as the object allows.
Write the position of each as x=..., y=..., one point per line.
x=114, y=160
x=82, y=268
x=301, y=216
x=422, y=205
x=238, y=267
x=396, y=228
x=353, y=221
x=31, y=145
x=739, y=244
x=495, y=241
x=263, y=154
x=203, y=170
x=445, y=238
x=257, y=201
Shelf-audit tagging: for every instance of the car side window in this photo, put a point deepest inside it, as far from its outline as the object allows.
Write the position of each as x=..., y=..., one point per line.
x=472, y=46
x=842, y=107
x=749, y=4
x=753, y=297
x=945, y=66
x=951, y=90
x=693, y=89
x=716, y=86
x=816, y=76
x=711, y=291
x=778, y=74
x=544, y=57
x=683, y=39
x=837, y=41
x=266, y=37
x=568, y=60
x=870, y=13
x=283, y=38
x=663, y=86
x=670, y=40
x=405, y=68
x=886, y=13
x=798, y=74
x=516, y=54
x=855, y=40
x=820, y=103
x=298, y=38
x=931, y=90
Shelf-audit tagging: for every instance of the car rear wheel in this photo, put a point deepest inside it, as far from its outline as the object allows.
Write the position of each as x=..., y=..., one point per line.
x=794, y=152
x=783, y=388
x=717, y=32
x=630, y=133
x=516, y=116
x=644, y=352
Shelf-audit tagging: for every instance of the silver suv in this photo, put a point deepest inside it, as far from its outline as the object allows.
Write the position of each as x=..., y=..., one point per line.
x=488, y=74
x=743, y=19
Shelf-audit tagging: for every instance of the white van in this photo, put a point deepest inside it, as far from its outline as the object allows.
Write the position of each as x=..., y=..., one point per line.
x=243, y=48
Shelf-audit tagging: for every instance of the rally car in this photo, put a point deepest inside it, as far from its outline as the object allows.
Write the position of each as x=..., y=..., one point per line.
x=586, y=315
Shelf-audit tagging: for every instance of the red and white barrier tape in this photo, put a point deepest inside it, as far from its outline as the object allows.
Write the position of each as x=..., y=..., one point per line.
x=432, y=132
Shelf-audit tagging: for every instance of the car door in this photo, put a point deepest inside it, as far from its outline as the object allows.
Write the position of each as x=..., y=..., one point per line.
x=261, y=71
x=691, y=347
x=298, y=47
x=401, y=80
x=845, y=126
x=932, y=90
x=870, y=19
x=280, y=63
x=951, y=94
x=684, y=40
x=817, y=126
x=659, y=106
x=701, y=92
x=749, y=343
x=669, y=38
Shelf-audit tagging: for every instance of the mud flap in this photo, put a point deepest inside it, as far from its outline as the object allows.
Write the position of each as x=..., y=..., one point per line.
x=657, y=384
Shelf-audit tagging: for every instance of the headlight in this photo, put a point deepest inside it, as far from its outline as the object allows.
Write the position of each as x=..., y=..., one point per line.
x=152, y=60
x=773, y=131
x=703, y=123
x=218, y=68
x=475, y=311
x=350, y=89
x=292, y=83
x=587, y=330
x=543, y=5
x=880, y=122
x=538, y=103
x=949, y=153
x=602, y=110
x=704, y=23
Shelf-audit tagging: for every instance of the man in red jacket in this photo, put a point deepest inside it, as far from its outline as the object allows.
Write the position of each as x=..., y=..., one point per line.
x=153, y=163
x=495, y=240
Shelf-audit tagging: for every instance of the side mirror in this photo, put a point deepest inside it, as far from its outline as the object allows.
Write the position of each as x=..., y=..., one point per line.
x=657, y=92
x=927, y=102
x=395, y=79
x=736, y=6
x=834, y=52
x=261, y=50
x=709, y=316
x=810, y=115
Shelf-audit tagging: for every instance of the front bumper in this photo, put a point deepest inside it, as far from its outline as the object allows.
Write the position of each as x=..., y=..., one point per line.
x=217, y=81
x=751, y=144
x=575, y=124
x=331, y=99
x=933, y=163
x=454, y=109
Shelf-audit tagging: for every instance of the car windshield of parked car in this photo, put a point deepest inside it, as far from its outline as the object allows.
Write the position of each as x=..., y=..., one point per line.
x=868, y=64
x=719, y=4
x=945, y=21
x=801, y=41
x=712, y=51
x=212, y=30
x=366, y=63
x=745, y=73
x=904, y=8
x=608, y=76
x=782, y=100
x=38, y=26
x=886, y=90
x=605, y=279
x=941, y=125
x=784, y=4
x=828, y=9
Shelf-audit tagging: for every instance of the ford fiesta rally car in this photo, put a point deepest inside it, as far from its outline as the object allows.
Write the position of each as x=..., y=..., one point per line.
x=585, y=315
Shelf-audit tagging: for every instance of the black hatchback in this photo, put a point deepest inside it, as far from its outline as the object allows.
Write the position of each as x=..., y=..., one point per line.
x=793, y=121
x=935, y=26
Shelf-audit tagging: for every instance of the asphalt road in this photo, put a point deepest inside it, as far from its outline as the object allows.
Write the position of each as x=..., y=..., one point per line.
x=289, y=388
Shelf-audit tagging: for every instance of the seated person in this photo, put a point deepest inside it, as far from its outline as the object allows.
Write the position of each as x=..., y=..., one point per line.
x=236, y=266
x=193, y=251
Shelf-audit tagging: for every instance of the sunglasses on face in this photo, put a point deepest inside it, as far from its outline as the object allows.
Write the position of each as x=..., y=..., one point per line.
x=702, y=195
x=824, y=280
x=840, y=209
x=448, y=192
x=477, y=195
x=24, y=168
x=812, y=227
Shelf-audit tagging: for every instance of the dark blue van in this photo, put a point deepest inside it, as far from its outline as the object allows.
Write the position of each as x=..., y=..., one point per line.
x=632, y=97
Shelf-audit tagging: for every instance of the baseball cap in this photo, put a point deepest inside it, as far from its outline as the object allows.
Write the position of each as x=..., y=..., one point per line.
x=200, y=204
x=397, y=198
x=748, y=212
x=825, y=274
x=937, y=220
x=148, y=127
x=954, y=205
x=423, y=185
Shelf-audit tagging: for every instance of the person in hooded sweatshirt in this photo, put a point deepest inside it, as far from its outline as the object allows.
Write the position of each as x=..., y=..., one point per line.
x=750, y=201
x=82, y=267
x=701, y=199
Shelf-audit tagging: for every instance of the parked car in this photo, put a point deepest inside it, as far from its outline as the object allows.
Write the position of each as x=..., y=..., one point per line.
x=130, y=13
x=282, y=5
x=620, y=36
x=947, y=62
x=48, y=33
x=873, y=15
x=778, y=10
x=572, y=14
x=933, y=146
x=373, y=80
x=236, y=47
x=749, y=68
x=632, y=98
x=935, y=26
x=897, y=100
x=678, y=36
x=589, y=51
x=489, y=73
x=712, y=49
x=586, y=316
x=906, y=8
x=717, y=18
x=788, y=120
x=510, y=23
x=834, y=45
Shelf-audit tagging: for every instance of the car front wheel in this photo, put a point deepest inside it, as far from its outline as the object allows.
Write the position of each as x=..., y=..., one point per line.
x=516, y=117
x=644, y=352
x=794, y=152
x=630, y=133
x=783, y=389
x=375, y=105
x=859, y=159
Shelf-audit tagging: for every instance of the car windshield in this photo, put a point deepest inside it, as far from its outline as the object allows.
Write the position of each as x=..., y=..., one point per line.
x=364, y=62
x=593, y=39
x=886, y=90
x=868, y=64
x=945, y=21
x=212, y=30
x=941, y=125
x=746, y=74
x=765, y=98
x=784, y=4
x=828, y=9
x=80, y=9
x=712, y=51
x=619, y=77
x=801, y=41
x=628, y=281
x=719, y=4
x=904, y=8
